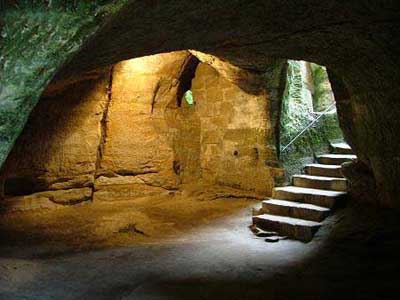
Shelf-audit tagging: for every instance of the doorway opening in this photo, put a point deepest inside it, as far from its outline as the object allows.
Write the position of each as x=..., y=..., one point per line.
x=309, y=121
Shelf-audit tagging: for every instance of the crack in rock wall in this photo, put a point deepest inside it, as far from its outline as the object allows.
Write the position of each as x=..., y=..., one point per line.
x=122, y=133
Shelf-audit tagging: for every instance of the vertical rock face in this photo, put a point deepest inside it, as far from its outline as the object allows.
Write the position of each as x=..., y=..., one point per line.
x=185, y=129
x=129, y=133
x=322, y=93
x=372, y=133
x=137, y=152
x=235, y=128
x=58, y=148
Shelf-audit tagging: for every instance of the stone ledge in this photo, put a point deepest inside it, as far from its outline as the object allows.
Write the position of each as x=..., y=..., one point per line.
x=48, y=200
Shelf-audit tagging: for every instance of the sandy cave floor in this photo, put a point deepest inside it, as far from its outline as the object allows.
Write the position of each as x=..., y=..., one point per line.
x=190, y=249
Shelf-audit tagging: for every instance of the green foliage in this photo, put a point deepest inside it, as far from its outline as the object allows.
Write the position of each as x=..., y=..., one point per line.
x=295, y=110
x=297, y=114
x=323, y=96
x=189, y=97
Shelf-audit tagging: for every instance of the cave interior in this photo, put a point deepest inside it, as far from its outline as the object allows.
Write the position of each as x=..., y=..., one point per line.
x=170, y=163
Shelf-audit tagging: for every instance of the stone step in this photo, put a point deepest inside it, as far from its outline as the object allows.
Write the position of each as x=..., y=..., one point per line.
x=318, y=197
x=295, y=210
x=323, y=170
x=335, y=159
x=341, y=148
x=294, y=228
x=320, y=182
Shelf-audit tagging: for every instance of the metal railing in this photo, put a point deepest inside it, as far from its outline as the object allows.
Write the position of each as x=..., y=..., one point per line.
x=307, y=127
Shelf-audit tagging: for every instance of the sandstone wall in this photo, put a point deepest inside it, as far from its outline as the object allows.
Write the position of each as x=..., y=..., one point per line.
x=138, y=155
x=58, y=149
x=129, y=133
x=185, y=129
x=235, y=130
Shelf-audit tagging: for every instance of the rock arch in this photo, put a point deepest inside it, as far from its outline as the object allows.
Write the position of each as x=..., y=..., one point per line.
x=358, y=41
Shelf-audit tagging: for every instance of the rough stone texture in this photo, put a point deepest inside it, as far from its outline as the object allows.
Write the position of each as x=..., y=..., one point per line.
x=138, y=144
x=295, y=210
x=363, y=185
x=323, y=170
x=356, y=40
x=111, y=133
x=341, y=148
x=323, y=96
x=299, y=229
x=235, y=129
x=126, y=132
x=49, y=199
x=318, y=197
x=320, y=182
x=35, y=41
x=370, y=124
x=335, y=159
x=59, y=146
x=250, y=82
x=186, y=131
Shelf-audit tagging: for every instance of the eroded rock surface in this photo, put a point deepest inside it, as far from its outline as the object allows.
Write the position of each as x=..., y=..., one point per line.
x=235, y=128
x=59, y=146
x=127, y=132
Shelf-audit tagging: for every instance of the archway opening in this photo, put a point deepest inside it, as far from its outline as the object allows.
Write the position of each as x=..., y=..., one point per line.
x=309, y=122
x=182, y=133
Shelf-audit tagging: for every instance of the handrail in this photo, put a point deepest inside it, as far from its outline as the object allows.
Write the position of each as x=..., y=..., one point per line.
x=308, y=126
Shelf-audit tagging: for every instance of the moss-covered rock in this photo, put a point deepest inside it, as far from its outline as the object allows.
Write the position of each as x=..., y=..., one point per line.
x=296, y=103
x=322, y=92
x=306, y=84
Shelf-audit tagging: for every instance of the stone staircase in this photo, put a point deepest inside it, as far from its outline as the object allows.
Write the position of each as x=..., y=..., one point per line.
x=298, y=211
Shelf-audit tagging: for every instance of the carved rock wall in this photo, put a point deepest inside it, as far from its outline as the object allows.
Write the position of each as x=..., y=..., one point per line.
x=128, y=133
x=235, y=128
x=58, y=149
x=138, y=153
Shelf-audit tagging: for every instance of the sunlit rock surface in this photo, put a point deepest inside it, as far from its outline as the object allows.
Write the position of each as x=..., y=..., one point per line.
x=128, y=132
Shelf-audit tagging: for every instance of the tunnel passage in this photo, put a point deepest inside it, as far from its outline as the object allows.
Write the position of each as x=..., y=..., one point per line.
x=126, y=132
